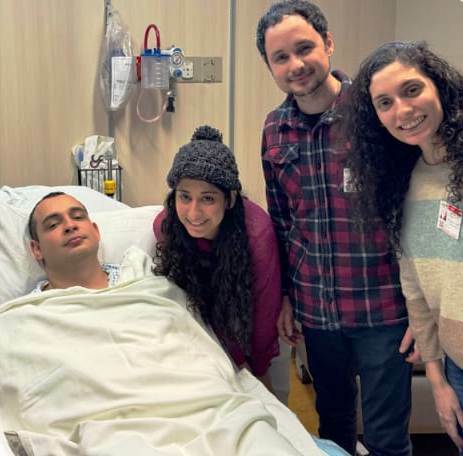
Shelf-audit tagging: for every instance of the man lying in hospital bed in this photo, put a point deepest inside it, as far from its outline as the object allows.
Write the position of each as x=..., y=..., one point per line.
x=121, y=370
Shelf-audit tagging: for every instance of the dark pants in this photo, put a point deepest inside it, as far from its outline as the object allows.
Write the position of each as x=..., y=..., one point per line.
x=454, y=376
x=335, y=357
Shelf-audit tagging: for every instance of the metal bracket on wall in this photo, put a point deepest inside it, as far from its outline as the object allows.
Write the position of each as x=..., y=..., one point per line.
x=201, y=69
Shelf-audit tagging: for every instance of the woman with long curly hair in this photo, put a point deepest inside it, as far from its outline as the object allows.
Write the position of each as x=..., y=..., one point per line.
x=406, y=162
x=221, y=249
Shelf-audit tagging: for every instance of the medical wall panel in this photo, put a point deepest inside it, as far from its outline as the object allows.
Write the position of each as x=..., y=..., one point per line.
x=146, y=150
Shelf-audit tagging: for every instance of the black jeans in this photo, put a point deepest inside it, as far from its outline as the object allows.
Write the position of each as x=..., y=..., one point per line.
x=454, y=375
x=335, y=358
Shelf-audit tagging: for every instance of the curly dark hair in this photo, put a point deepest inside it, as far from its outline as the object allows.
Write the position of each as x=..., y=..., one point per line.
x=217, y=283
x=310, y=12
x=381, y=166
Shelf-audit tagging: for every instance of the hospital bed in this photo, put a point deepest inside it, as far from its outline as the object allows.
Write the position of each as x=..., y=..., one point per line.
x=120, y=227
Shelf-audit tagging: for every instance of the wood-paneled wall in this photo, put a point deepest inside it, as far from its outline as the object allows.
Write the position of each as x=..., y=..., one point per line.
x=439, y=23
x=51, y=100
x=48, y=87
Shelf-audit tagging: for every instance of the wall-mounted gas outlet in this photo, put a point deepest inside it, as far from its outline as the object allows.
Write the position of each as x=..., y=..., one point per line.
x=187, y=70
x=201, y=69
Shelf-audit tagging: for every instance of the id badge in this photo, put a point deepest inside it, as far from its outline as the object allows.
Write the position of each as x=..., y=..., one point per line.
x=347, y=184
x=449, y=219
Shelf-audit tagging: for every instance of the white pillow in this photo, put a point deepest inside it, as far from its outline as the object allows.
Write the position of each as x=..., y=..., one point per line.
x=26, y=197
x=120, y=229
x=17, y=266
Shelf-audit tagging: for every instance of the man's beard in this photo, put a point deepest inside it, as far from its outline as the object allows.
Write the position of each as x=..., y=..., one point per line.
x=312, y=88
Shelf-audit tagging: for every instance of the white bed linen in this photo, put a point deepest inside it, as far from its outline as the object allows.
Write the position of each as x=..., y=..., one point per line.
x=128, y=371
x=4, y=447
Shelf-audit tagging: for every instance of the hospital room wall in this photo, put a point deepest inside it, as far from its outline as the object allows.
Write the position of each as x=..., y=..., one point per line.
x=437, y=22
x=200, y=28
x=48, y=93
x=238, y=105
x=49, y=81
x=51, y=100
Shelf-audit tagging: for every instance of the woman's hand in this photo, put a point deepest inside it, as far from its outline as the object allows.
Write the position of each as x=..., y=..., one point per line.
x=449, y=410
x=409, y=348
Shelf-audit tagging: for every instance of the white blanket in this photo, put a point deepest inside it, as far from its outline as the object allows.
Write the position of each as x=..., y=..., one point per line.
x=128, y=371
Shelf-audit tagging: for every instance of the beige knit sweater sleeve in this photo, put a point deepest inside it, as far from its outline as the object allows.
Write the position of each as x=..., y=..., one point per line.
x=423, y=320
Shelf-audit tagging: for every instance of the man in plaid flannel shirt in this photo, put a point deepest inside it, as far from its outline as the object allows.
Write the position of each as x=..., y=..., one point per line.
x=342, y=284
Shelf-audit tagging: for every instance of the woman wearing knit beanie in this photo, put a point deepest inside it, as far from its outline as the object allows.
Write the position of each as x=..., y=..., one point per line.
x=221, y=249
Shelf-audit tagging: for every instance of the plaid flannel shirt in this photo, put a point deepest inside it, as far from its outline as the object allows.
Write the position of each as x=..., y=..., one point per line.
x=334, y=274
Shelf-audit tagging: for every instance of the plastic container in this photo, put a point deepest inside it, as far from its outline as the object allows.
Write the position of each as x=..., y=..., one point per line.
x=155, y=72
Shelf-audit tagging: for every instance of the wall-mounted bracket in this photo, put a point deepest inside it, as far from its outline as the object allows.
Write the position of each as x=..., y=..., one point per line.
x=201, y=69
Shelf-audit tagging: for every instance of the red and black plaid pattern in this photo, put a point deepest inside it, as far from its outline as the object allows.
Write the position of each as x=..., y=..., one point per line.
x=335, y=275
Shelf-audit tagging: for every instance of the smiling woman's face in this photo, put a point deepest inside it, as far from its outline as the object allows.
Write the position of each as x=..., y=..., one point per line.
x=200, y=207
x=407, y=104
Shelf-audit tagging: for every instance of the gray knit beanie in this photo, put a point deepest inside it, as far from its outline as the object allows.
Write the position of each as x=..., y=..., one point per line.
x=205, y=158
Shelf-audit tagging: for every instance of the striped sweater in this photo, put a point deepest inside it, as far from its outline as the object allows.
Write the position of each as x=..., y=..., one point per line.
x=431, y=267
